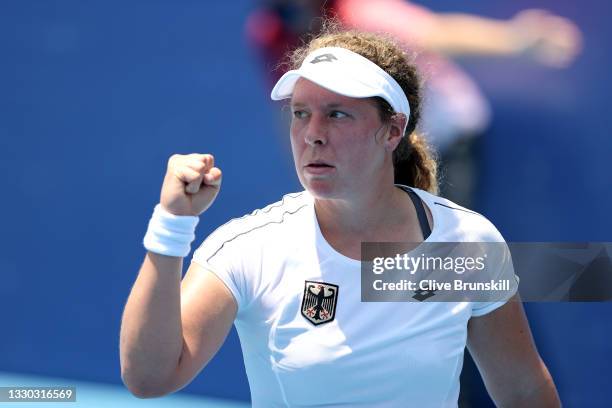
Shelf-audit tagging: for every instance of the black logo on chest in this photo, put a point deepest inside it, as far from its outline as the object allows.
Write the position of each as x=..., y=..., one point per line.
x=319, y=302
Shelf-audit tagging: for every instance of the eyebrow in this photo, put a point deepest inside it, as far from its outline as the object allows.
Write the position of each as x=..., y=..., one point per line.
x=327, y=106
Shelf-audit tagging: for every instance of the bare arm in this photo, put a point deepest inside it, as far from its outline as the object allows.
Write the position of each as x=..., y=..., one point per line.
x=503, y=349
x=549, y=39
x=151, y=339
x=171, y=329
x=457, y=33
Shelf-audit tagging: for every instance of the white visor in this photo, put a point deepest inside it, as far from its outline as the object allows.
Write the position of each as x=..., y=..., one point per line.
x=346, y=73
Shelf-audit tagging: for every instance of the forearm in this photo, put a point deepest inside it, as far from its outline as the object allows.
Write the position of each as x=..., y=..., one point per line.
x=151, y=339
x=466, y=34
x=540, y=392
x=451, y=33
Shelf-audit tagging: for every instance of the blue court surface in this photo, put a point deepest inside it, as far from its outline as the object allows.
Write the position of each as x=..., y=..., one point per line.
x=94, y=395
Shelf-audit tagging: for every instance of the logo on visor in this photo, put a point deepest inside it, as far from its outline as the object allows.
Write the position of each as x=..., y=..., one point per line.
x=324, y=58
x=319, y=302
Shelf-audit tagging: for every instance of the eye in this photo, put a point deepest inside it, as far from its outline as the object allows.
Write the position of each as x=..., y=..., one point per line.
x=338, y=114
x=299, y=114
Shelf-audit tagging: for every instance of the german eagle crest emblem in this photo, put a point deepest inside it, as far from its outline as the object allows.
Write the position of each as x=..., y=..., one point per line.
x=319, y=302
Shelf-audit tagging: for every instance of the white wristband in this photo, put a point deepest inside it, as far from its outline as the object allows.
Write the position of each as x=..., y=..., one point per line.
x=170, y=234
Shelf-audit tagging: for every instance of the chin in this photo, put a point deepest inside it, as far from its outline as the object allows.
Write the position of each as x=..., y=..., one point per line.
x=322, y=189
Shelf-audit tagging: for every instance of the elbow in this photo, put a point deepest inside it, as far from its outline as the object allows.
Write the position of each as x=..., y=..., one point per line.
x=144, y=392
x=144, y=388
x=535, y=391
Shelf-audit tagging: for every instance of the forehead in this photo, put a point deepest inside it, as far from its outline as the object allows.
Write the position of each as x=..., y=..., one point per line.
x=306, y=92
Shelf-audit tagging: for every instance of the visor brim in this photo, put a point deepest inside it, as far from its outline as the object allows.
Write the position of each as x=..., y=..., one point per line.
x=344, y=85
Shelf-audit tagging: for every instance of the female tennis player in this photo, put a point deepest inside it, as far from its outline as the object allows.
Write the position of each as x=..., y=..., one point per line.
x=288, y=275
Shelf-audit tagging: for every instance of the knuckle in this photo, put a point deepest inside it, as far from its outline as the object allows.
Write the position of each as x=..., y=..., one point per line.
x=174, y=159
x=199, y=166
x=207, y=159
x=198, y=156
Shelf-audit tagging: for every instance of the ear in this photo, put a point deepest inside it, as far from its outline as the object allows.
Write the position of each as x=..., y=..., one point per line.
x=396, y=131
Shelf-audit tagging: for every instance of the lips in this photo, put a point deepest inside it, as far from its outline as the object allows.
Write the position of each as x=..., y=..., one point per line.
x=318, y=164
x=319, y=168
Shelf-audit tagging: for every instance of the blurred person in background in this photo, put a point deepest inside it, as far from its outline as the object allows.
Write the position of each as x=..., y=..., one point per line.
x=455, y=113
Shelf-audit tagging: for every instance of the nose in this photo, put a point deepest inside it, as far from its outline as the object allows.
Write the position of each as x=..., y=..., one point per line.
x=315, y=133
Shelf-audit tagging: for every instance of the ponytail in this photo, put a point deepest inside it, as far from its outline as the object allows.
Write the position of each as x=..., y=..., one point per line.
x=414, y=164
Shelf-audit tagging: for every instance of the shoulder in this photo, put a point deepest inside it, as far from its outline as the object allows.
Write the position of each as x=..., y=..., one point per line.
x=452, y=218
x=258, y=226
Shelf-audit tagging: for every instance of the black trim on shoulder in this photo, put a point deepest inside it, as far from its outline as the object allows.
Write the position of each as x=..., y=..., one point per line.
x=455, y=208
x=259, y=211
x=253, y=229
x=266, y=210
x=421, y=215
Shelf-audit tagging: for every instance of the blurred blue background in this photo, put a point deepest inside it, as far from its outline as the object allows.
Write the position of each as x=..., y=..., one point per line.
x=95, y=96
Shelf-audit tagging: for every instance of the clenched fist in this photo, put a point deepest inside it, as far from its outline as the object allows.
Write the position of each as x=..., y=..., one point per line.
x=191, y=184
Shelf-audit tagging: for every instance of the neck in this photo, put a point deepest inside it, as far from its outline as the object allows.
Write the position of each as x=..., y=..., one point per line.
x=365, y=217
